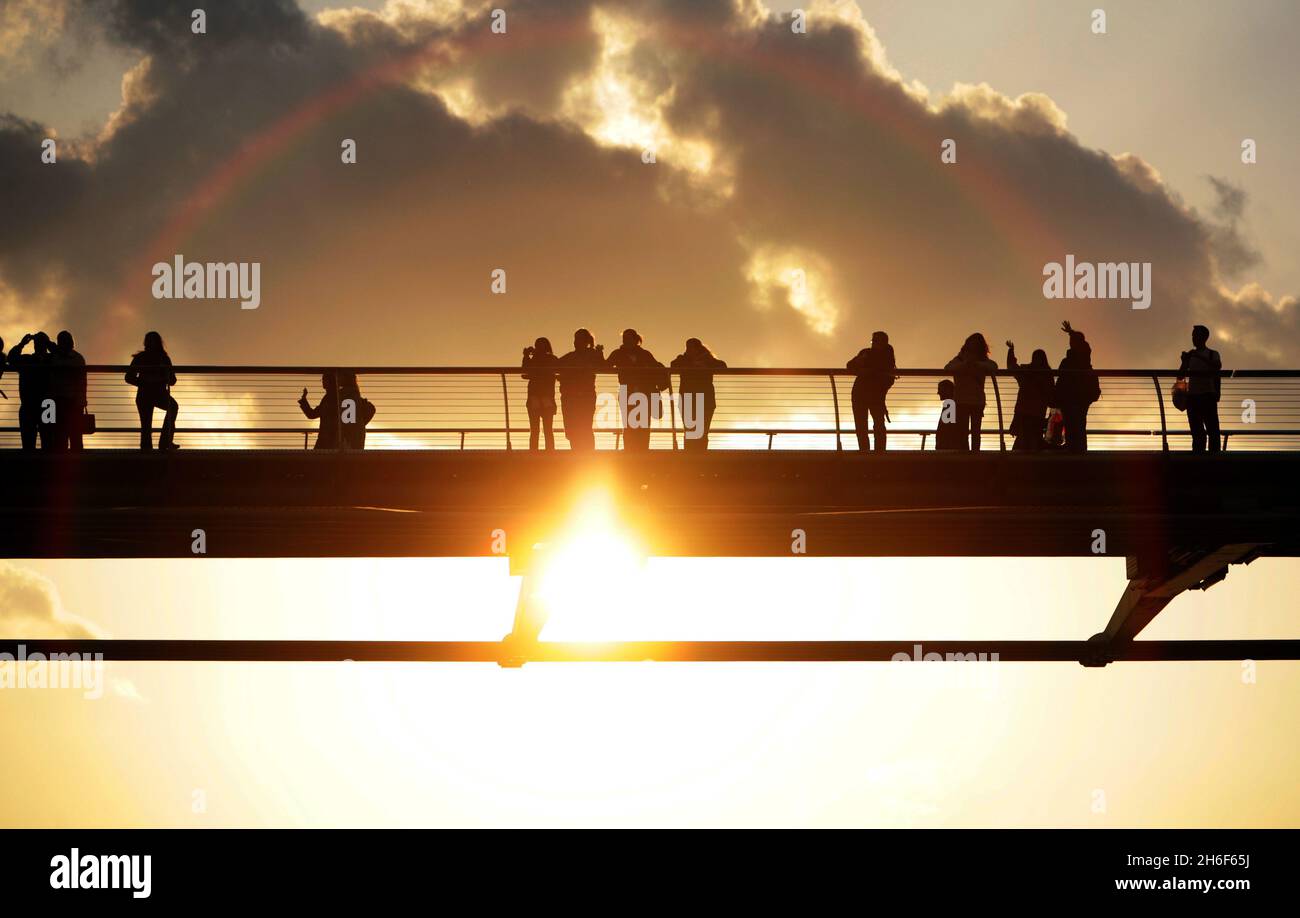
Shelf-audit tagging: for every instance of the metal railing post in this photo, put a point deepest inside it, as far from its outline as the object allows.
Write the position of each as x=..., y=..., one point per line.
x=338, y=411
x=835, y=395
x=505, y=400
x=997, y=396
x=672, y=409
x=1164, y=428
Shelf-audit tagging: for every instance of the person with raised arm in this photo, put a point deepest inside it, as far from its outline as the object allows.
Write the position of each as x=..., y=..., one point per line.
x=1034, y=385
x=33, y=389
x=1077, y=388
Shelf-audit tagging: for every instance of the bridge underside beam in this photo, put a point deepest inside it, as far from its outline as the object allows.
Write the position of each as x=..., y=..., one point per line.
x=635, y=651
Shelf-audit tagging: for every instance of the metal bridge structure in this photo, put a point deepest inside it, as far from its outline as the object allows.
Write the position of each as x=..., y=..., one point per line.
x=446, y=473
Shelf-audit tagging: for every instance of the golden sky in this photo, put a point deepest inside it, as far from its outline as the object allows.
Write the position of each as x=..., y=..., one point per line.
x=773, y=151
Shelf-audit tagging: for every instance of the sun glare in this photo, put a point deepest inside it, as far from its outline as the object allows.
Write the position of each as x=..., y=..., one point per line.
x=591, y=580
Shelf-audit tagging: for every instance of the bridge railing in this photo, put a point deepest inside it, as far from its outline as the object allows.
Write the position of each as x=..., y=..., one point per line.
x=248, y=407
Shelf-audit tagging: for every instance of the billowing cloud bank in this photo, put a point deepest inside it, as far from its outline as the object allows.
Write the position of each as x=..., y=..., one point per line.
x=796, y=200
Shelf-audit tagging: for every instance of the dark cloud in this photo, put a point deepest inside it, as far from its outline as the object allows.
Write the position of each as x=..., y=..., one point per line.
x=165, y=27
x=824, y=159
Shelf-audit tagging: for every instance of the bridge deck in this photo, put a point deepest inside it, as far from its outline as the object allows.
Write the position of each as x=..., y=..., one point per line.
x=294, y=503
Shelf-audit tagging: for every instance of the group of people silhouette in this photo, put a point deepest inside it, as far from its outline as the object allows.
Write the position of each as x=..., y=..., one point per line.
x=1051, y=408
x=52, y=391
x=639, y=375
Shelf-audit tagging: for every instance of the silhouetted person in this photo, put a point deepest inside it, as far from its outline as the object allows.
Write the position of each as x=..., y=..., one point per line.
x=875, y=370
x=68, y=388
x=697, y=364
x=356, y=413
x=151, y=374
x=578, y=389
x=33, y=389
x=640, y=378
x=1202, y=390
x=969, y=369
x=343, y=413
x=1075, y=391
x=1033, y=396
x=541, y=362
x=328, y=410
x=947, y=433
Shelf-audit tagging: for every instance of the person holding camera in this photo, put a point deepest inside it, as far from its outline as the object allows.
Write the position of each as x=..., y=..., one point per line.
x=541, y=363
x=33, y=388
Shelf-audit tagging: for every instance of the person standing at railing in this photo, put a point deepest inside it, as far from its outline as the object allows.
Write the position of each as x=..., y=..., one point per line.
x=875, y=369
x=68, y=388
x=540, y=361
x=1204, y=387
x=1034, y=387
x=640, y=380
x=343, y=413
x=947, y=435
x=969, y=369
x=698, y=397
x=1077, y=388
x=33, y=389
x=151, y=374
x=578, y=389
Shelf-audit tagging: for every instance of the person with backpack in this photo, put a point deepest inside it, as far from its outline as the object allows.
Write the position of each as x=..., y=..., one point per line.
x=68, y=387
x=969, y=369
x=640, y=380
x=343, y=413
x=357, y=411
x=1034, y=387
x=1077, y=388
x=875, y=371
x=1201, y=366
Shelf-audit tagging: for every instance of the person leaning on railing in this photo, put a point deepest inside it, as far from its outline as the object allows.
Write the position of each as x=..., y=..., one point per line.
x=969, y=369
x=538, y=360
x=696, y=365
x=578, y=389
x=874, y=368
x=637, y=377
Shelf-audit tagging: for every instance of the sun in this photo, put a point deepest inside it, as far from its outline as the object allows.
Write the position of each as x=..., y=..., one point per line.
x=591, y=582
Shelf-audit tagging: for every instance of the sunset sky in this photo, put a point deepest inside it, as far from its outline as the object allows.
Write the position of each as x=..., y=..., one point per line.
x=525, y=151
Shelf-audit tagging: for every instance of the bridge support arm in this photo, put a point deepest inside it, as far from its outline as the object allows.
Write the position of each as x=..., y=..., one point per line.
x=1149, y=591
